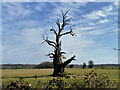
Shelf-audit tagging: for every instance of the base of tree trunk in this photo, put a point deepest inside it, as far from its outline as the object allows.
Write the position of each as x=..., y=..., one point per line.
x=60, y=74
x=58, y=70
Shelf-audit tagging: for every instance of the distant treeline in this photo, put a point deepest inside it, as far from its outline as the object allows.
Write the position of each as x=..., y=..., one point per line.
x=50, y=65
x=18, y=66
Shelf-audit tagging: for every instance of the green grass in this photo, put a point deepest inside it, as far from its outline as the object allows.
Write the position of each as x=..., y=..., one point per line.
x=25, y=72
x=28, y=74
x=112, y=73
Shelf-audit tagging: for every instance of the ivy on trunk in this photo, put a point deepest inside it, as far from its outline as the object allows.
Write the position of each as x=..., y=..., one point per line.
x=57, y=56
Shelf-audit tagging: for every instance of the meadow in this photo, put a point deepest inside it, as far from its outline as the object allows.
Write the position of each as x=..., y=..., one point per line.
x=43, y=76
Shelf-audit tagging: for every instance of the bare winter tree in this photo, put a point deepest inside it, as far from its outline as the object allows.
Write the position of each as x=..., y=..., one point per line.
x=57, y=55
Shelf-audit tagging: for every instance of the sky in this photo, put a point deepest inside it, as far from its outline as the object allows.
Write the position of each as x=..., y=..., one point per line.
x=95, y=28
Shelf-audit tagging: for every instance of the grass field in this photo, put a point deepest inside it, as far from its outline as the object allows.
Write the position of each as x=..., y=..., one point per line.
x=43, y=74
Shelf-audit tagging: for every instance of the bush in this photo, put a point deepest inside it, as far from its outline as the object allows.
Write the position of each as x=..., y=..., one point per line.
x=84, y=65
x=17, y=85
x=94, y=80
x=90, y=80
x=45, y=65
x=90, y=64
x=71, y=66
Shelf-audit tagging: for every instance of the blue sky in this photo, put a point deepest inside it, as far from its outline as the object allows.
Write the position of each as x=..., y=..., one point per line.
x=95, y=27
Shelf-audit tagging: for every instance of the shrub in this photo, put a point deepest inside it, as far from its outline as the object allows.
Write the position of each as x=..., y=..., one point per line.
x=17, y=85
x=94, y=80
x=90, y=80
x=58, y=83
x=45, y=65
x=90, y=64
x=84, y=65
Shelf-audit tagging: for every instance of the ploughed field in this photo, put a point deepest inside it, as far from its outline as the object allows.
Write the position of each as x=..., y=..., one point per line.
x=41, y=78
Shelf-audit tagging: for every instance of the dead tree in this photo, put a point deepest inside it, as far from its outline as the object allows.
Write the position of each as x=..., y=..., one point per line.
x=57, y=55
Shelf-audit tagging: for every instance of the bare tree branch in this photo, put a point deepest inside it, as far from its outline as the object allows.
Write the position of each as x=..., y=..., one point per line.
x=68, y=20
x=65, y=22
x=66, y=33
x=66, y=12
x=68, y=61
x=51, y=55
x=49, y=40
x=51, y=43
x=62, y=13
x=62, y=53
x=58, y=24
x=70, y=32
x=54, y=31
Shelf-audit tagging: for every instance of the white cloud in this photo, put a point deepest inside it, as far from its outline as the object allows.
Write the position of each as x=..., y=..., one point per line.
x=95, y=15
x=14, y=11
x=96, y=32
x=32, y=34
x=104, y=21
x=30, y=50
x=108, y=60
x=76, y=45
x=86, y=48
x=91, y=16
x=41, y=6
x=91, y=24
x=110, y=8
x=86, y=28
x=116, y=4
x=73, y=6
x=100, y=13
x=28, y=23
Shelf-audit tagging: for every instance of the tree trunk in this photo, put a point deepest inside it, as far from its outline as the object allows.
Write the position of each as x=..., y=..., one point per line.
x=59, y=66
x=58, y=70
x=57, y=61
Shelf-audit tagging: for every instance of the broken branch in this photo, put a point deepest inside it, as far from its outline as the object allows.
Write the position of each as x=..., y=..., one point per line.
x=68, y=61
x=51, y=55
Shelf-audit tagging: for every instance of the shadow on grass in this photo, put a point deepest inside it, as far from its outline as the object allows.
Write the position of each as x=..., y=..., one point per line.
x=35, y=76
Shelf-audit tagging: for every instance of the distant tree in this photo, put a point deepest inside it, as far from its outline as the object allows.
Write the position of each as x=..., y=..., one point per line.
x=45, y=65
x=57, y=56
x=84, y=65
x=90, y=64
x=71, y=66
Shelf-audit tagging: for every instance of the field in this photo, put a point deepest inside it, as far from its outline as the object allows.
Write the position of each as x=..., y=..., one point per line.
x=33, y=76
